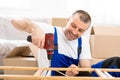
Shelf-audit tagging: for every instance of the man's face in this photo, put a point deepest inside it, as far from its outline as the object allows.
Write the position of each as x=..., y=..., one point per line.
x=75, y=27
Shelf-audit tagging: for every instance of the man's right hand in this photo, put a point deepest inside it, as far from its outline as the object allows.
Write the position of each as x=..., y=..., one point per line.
x=38, y=36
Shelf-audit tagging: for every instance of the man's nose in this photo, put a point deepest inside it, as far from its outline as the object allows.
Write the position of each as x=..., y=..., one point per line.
x=75, y=32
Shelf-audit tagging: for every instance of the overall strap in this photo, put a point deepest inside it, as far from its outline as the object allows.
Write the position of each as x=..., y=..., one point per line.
x=79, y=46
x=55, y=40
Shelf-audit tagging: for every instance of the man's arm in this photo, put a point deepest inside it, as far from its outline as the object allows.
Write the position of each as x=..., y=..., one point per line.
x=85, y=63
x=38, y=35
x=23, y=25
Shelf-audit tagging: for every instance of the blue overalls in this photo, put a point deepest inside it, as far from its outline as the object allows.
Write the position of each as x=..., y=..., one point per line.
x=60, y=60
x=110, y=63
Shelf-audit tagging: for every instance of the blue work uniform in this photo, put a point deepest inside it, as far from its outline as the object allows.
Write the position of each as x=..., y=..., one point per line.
x=110, y=63
x=60, y=60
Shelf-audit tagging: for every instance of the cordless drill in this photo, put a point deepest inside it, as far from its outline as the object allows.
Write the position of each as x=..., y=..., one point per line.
x=49, y=44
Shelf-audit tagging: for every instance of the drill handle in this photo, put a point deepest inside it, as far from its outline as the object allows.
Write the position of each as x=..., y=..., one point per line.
x=29, y=38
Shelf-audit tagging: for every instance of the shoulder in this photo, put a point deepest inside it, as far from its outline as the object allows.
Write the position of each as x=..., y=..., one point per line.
x=85, y=38
x=85, y=42
x=47, y=28
x=58, y=27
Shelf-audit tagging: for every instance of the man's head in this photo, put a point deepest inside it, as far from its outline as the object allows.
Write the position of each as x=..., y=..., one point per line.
x=77, y=24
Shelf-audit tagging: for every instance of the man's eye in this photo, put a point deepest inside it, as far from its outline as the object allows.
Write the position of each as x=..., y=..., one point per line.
x=81, y=31
x=73, y=25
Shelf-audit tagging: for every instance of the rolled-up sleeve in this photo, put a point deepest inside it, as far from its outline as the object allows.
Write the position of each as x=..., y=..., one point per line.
x=85, y=53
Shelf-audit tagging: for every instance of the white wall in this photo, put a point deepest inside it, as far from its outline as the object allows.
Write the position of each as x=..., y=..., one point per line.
x=101, y=11
x=37, y=8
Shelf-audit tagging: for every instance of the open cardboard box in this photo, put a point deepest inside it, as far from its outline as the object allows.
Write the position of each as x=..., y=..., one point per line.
x=22, y=56
x=105, y=42
x=59, y=21
x=96, y=60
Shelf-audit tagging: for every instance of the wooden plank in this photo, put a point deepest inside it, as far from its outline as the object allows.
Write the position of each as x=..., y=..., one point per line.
x=18, y=68
x=27, y=77
x=38, y=72
x=60, y=69
x=100, y=73
x=106, y=73
x=62, y=73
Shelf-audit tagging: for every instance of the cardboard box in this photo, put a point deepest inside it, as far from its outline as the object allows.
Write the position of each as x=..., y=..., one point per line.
x=59, y=22
x=21, y=56
x=105, y=42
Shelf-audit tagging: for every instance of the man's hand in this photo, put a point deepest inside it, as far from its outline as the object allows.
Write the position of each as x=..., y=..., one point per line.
x=73, y=70
x=38, y=36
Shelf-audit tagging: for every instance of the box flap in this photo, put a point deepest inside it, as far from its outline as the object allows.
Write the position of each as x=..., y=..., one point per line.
x=24, y=51
x=92, y=31
x=34, y=50
x=59, y=21
x=19, y=51
x=102, y=30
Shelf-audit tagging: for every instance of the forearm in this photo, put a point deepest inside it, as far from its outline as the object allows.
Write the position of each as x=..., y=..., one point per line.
x=24, y=25
x=85, y=63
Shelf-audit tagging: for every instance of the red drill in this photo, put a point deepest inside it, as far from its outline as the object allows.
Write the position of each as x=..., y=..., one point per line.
x=49, y=43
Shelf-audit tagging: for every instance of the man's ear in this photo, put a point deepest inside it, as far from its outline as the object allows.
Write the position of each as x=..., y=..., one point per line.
x=67, y=19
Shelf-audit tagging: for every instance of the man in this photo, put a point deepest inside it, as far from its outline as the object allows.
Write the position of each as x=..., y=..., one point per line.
x=72, y=48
